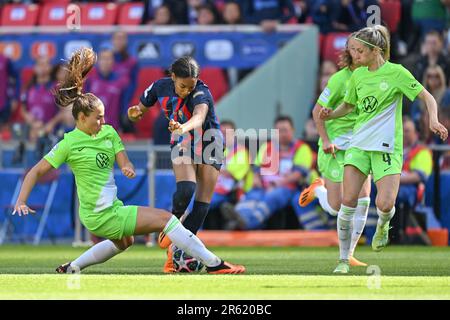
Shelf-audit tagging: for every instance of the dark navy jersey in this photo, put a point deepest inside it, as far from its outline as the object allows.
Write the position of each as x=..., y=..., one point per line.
x=181, y=110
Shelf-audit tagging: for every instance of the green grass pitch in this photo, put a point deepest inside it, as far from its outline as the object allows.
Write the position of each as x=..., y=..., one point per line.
x=272, y=273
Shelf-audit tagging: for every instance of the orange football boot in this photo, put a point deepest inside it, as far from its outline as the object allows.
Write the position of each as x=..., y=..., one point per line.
x=308, y=195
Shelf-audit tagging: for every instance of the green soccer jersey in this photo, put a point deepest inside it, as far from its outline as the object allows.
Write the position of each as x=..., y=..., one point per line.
x=339, y=130
x=91, y=159
x=377, y=96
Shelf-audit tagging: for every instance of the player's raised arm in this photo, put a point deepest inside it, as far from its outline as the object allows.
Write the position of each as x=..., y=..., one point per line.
x=435, y=126
x=136, y=113
x=125, y=164
x=40, y=169
x=342, y=110
x=198, y=117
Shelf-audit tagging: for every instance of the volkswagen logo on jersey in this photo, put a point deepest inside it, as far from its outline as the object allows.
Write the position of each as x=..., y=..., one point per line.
x=369, y=104
x=102, y=160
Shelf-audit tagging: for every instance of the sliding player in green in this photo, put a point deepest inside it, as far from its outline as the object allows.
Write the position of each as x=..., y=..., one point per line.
x=334, y=139
x=90, y=150
x=376, y=146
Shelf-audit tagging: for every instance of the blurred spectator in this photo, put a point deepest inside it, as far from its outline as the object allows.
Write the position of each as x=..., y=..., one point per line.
x=311, y=135
x=37, y=106
x=350, y=15
x=61, y=123
x=125, y=66
x=417, y=167
x=276, y=180
x=9, y=90
x=108, y=86
x=321, y=14
x=163, y=16
x=150, y=9
x=327, y=69
x=418, y=163
x=435, y=82
x=232, y=13
x=432, y=54
x=233, y=171
x=302, y=10
x=444, y=118
x=207, y=15
x=267, y=13
x=185, y=11
x=429, y=15
x=64, y=121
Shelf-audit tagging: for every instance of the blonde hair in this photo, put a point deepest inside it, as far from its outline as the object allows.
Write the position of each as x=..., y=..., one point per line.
x=69, y=90
x=439, y=93
x=375, y=37
x=345, y=58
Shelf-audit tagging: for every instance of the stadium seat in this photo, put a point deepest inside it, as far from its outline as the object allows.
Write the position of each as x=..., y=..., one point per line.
x=146, y=76
x=53, y=14
x=216, y=80
x=19, y=15
x=391, y=13
x=131, y=13
x=333, y=44
x=98, y=14
x=54, y=1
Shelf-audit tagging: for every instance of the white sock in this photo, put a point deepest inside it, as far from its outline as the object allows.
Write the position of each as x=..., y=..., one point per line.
x=322, y=194
x=98, y=253
x=188, y=242
x=344, y=229
x=359, y=221
x=385, y=217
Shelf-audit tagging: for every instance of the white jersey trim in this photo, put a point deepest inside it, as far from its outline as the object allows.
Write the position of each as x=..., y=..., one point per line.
x=343, y=141
x=377, y=134
x=108, y=194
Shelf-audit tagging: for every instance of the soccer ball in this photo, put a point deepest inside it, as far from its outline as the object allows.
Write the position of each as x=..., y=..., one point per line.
x=182, y=262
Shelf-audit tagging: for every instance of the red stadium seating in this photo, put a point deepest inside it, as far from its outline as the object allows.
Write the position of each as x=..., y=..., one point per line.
x=333, y=44
x=131, y=13
x=216, y=81
x=19, y=15
x=54, y=1
x=146, y=76
x=53, y=14
x=98, y=14
x=391, y=13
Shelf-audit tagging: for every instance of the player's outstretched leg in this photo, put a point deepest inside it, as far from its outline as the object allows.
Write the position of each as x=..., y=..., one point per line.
x=99, y=253
x=153, y=220
x=308, y=194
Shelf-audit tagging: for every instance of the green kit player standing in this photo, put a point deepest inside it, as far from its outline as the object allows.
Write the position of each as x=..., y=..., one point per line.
x=90, y=150
x=334, y=139
x=376, y=146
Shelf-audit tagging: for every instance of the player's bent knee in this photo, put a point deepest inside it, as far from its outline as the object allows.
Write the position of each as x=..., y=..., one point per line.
x=165, y=216
x=384, y=205
x=351, y=202
x=124, y=243
x=335, y=205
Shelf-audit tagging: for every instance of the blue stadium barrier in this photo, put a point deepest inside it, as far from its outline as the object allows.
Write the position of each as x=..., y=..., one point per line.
x=60, y=220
